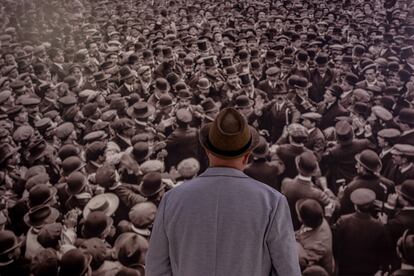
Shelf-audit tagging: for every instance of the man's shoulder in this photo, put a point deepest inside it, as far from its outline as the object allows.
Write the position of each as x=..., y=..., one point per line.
x=227, y=182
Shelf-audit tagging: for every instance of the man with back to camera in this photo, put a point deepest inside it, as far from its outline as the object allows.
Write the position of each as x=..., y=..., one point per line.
x=224, y=222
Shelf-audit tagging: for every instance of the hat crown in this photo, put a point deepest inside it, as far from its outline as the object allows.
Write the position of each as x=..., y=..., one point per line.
x=407, y=190
x=39, y=213
x=370, y=160
x=151, y=184
x=7, y=241
x=39, y=194
x=229, y=131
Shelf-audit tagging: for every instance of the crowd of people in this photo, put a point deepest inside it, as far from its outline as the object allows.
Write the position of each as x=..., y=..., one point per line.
x=101, y=103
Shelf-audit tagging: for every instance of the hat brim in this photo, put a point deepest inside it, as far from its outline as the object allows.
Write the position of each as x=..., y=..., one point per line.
x=358, y=159
x=113, y=201
x=203, y=138
x=404, y=195
x=54, y=215
x=145, y=194
x=151, y=110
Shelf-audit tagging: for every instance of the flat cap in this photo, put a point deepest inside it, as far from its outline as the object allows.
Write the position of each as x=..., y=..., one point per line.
x=389, y=133
x=272, y=71
x=362, y=196
x=403, y=149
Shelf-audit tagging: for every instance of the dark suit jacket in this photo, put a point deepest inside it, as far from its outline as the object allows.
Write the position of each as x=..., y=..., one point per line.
x=362, y=181
x=274, y=120
x=56, y=71
x=319, y=84
x=287, y=154
x=181, y=144
x=402, y=220
x=339, y=162
x=329, y=114
x=265, y=172
x=361, y=244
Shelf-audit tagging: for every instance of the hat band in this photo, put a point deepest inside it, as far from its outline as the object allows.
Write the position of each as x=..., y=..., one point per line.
x=230, y=153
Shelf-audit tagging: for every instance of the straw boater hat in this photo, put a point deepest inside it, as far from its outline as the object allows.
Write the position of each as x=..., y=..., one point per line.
x=229, y=136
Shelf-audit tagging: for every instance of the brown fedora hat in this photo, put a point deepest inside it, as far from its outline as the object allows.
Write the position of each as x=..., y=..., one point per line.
x=229, y=136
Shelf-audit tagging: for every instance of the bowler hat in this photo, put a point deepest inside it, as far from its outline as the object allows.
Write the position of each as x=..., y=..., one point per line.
x=71, y=164
x=41, y=215
x=101, y=76
x=243, y=101
x=406, y=190
x=406, y=116
x=125, y=73
x=41, y=194
x=228, y=136
x=151, y=184
x=140, y=151
x=8, y=242
x=106, y=203
x=76, y=182
x=369, y=160
x=95, y=224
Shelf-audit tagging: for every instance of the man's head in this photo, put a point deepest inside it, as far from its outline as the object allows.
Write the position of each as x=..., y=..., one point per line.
x=228, y=140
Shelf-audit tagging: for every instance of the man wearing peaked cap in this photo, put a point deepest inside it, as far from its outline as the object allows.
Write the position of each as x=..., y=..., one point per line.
x=227, y=141
x=387, y=138
x=403, y=158
x=371, y=241
x=272, y=84
x=316, y=139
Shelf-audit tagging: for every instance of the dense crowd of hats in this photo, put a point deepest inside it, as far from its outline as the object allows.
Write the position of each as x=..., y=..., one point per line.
x=101, y=104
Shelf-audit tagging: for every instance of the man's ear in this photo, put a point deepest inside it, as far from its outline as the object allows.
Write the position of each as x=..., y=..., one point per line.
x=246, y=158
